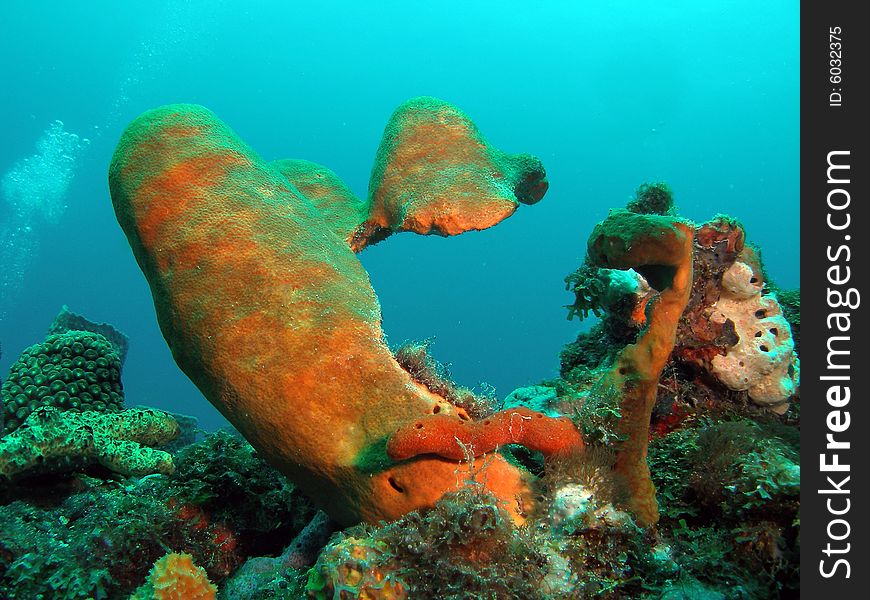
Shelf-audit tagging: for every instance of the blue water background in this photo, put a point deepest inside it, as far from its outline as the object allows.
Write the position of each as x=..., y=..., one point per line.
x=703, y=95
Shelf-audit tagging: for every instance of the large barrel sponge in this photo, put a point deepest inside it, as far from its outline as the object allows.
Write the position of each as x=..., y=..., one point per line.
x=76, y=370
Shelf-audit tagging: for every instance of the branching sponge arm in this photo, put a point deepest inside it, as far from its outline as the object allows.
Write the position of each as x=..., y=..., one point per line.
x=661, y=248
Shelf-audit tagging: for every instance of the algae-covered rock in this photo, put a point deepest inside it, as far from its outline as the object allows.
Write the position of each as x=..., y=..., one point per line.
x=465, y=547
x=283, y=576
x=536, y=397
x=225, y=476
x=653, y=199
x=357, y=568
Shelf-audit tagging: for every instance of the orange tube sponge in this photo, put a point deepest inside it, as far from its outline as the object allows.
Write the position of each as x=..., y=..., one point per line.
x=269, y=312
x=456, y=438
x=660, y=248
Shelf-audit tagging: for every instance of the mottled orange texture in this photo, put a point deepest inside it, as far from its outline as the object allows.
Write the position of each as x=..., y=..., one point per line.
x=435, y=173
x=176, y=577
x=269, y=312
x=457, y=439
x=660, y=248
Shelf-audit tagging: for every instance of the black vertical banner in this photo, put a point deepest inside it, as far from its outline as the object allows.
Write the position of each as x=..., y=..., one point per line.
x=835, y=300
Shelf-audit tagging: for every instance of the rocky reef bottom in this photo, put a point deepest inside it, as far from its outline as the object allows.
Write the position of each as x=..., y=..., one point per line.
x=728, y=488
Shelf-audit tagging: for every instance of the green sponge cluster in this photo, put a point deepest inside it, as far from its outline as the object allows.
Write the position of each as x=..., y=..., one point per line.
x=75, y=370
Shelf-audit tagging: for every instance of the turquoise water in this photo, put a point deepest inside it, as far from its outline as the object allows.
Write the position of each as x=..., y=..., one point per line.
x=703, y=95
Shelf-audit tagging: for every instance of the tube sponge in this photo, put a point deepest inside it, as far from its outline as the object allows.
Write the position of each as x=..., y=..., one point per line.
x=269, y=312
x=456, y=438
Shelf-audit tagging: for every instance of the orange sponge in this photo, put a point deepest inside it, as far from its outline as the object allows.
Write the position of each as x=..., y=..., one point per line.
x=457, y=438
x=176, y=577
x=267, y=309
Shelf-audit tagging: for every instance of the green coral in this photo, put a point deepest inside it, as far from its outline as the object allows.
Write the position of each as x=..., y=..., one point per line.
x=51, y=440
x=67, y=321
x=76, y=370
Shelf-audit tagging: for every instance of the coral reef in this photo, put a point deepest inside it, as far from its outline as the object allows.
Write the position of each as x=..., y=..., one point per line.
x=639, y=473
x=66, y=320
x=88, y=537
x=260, y=297
x=731, y=317
x=729, y=488
x=50, y=440
x=74, y=370
x=465, y=547
x=662, y=463
x=176, y=577
x=726, y=470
